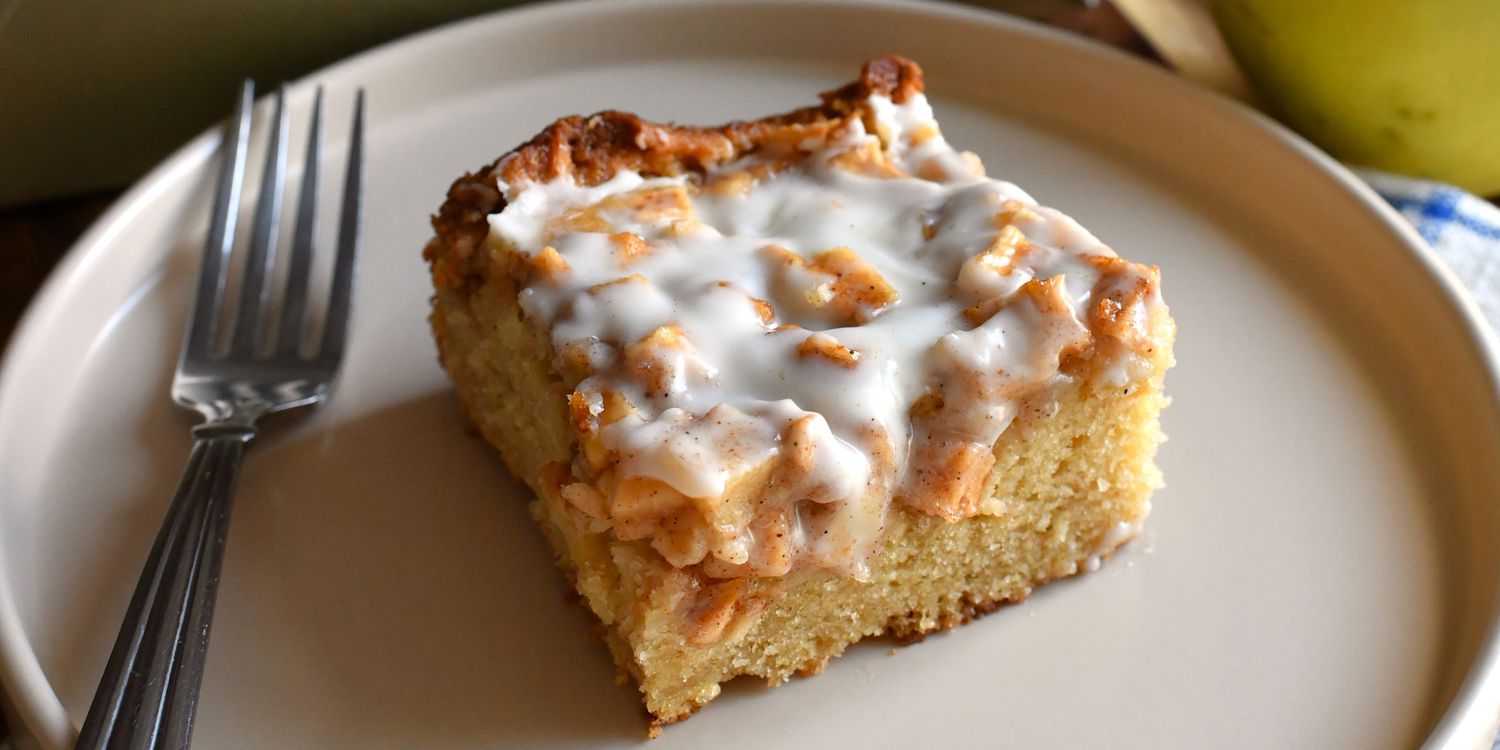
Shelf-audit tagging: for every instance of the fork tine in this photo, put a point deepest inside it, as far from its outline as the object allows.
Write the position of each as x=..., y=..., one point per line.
x=149, y=691
x=249, y=321
x=203, y=326
x=337, y=320
x=294, y=302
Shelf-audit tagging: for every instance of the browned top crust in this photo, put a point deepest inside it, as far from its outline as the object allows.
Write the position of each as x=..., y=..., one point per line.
x=593, y=148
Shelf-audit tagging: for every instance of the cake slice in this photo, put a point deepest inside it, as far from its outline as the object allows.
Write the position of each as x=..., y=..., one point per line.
x=784, y=384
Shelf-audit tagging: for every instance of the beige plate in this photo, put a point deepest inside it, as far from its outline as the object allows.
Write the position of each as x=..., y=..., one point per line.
x=1320, y=572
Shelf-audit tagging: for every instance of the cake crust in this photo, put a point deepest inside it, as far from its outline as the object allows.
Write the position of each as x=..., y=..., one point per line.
x=593, y=148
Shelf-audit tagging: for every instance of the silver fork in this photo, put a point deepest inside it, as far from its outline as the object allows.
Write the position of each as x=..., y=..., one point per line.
x=231, y=377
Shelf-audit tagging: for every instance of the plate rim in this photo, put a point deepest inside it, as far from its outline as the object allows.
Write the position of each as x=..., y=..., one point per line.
x=1470, y=717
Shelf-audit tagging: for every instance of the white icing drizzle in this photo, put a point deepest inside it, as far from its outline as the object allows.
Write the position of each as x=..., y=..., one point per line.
x=713, y=399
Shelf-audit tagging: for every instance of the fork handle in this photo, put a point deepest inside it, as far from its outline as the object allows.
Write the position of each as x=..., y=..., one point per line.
x=149, y=690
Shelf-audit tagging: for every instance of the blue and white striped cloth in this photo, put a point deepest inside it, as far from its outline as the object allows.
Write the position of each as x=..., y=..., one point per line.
x=1464, y=230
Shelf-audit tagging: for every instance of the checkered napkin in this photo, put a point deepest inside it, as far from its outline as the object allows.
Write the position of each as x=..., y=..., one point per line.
x=1464, y=230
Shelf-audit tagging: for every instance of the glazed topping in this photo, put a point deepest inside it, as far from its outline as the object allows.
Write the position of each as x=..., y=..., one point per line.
x=760, y=351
